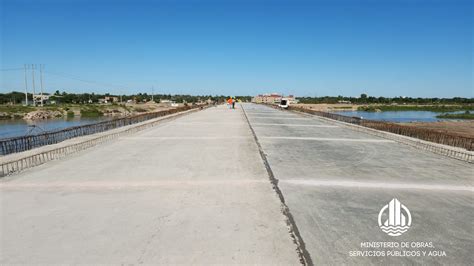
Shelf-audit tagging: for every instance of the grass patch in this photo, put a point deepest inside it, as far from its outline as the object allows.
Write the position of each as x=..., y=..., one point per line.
x=16, y=109
x=140, y=110
x=342, y=107
x=128, y=109
x=50, y=108
x=70, y=114
x=466, y=115
x=91, y=112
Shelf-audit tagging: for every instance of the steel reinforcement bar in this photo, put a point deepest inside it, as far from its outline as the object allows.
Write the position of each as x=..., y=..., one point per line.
x=24, y=143
x=419, y=133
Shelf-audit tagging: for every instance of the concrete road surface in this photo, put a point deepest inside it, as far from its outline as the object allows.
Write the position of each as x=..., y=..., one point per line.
x=335, y=181
x=195, y=190
x=191, y=191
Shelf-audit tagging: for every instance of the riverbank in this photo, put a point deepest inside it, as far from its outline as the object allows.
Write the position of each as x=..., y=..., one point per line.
x=461, y=128
x=31, y=113
x=452, y=123
x=327, y=107
x=465, y=116
x=430, y=108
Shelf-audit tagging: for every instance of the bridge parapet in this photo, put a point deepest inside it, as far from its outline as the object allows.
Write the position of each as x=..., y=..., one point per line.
x=24, y=143
x=20, y=161
x=446, y=144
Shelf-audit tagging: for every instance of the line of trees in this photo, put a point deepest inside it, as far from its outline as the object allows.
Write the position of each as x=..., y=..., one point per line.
x=365, y=99
x=16, y=97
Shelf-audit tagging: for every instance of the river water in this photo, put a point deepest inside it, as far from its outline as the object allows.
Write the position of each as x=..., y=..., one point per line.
x=397, y=116
x=20, y=127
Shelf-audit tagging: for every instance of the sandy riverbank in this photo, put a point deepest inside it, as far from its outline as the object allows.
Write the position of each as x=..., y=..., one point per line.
x=463, y=128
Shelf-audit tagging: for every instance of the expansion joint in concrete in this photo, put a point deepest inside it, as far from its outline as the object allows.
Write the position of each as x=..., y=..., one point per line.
x=303, y=254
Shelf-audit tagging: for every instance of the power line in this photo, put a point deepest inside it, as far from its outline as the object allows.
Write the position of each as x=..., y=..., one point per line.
x=33, y=67
x=84, y=80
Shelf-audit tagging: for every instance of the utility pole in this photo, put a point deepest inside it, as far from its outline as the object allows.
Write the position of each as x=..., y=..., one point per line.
x=41, y=83
x=26, y=87
x=152, y=92
x=33, y=76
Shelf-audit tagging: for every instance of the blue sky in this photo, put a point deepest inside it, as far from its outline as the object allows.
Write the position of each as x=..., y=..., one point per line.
x=421, y=48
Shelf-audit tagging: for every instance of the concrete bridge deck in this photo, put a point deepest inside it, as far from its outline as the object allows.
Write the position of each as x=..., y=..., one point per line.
x=195, y=191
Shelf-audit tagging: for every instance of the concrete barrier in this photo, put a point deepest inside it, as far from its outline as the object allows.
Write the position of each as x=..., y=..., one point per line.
x=449, y=151
x=16, y=162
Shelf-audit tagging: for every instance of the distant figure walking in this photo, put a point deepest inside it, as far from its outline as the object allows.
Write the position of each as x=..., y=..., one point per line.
x=233, y=103
x=229, y=102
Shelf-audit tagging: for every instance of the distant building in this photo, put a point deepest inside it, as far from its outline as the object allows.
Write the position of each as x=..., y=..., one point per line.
x=291, y=99
x=38, y=97
x=109, y=99
x=267, y=98
x=273, y=98
x=345, y=102
x=112, y=99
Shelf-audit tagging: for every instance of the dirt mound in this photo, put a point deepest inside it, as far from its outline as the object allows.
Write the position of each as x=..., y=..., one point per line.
x=42, y=114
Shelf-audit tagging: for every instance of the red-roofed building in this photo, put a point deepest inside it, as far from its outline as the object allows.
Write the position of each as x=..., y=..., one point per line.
x=272, y=98
x=267, y=98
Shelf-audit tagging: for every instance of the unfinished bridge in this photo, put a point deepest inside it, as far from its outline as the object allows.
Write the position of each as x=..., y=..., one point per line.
x=251, y=185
